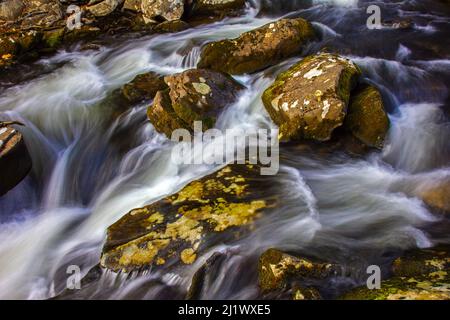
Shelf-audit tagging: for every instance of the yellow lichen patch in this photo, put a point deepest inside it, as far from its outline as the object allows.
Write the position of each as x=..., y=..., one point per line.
x=156, y=218
x=222, y=172
x=418, y=295
x=184, y=228
x=437, y=263
x=160, y=261
x=235, y=214
x=192, y=192
x=440, y=275
x=136, y=255
x=298, y=295
x=188, y=256
x=7, y=56
x=139, y=211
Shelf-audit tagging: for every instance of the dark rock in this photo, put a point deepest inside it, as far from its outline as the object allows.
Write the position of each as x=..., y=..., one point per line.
x=143, y=87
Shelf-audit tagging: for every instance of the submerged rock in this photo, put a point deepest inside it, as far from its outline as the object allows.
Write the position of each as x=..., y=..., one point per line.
x=217, y=208
x=257, y=49
x=195, y=95
x=143, y=87
x=310, y=100
x=437, y=195
x=421, y=274
x=277, y=269
x=15, y=161
x=366, y=118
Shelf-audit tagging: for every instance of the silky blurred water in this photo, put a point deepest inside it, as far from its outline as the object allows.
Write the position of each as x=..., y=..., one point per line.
x=90, y=167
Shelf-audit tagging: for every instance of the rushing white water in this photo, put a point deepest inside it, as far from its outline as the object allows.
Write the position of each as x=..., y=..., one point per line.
x=81, y=183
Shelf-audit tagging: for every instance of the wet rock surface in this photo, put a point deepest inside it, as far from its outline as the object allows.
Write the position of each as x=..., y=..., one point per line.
x=217, y=208
x=258, y=49
x=366, y=118
x=437, y=195
x=420, y=274
x=277, y=269
x=143, y=87
x=310, y=100
x=195, y=95
x=15, y=161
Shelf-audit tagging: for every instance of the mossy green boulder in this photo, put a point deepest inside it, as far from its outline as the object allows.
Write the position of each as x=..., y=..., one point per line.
x=215, y=209
x=418, y=275
x=309, y=100
x=366, y=118
x=258, y=49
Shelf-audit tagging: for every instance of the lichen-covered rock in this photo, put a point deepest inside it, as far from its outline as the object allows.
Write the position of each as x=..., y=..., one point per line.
x=134, y=5
x=162, y=115
x=168, y=9
x=310, y=100
x=437, y=195
x=143, y=87
x=216, y=7
x=175, y=230
x=418, y=275
x=276, y=269
x=42, y=13
x=366, y=118
x=104, y=7
x=15, y=161
x=257, y=49
x=201, y=95
x=306, y=293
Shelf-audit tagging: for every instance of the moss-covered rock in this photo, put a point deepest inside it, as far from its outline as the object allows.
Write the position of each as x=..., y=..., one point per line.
x=310, y=100
x=436, y=195
x=366, y=118
x=277, y=269
x=15, y=161
x=143, y=87
x=53, y=38
x=259, y=48
x=217, y=208
x=418, y=275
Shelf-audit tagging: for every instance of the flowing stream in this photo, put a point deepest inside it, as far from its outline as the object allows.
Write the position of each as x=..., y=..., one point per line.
x=90, y=166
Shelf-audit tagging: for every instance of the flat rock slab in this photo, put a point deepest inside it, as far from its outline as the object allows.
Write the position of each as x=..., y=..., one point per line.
x=220, y=207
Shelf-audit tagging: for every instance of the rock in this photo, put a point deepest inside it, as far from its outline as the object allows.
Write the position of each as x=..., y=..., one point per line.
x=42, y=13
x=216, y=7
x=133, y=5
x=16, y=43
x=168, y=9
x=15, y=161
x=308, y=293
x=201, y=95
x=104, y=8
x=276, y=269
x=193, y=95
x=53, y=38
x=162, y=115
x=171, y=26
x=436, y=195
x=143, y=87
x=259, y=48
x=11, y=10
x=366, y=118
x=421, y=274
x=310, y=100
x=218, y=208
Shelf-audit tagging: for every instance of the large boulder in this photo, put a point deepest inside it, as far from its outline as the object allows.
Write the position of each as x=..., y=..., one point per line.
x=366, y=118
x=257, y=49
x=143, y=87
x=15, y=161
x=173, y=231
x=195, y=95
x=277, y=269
x=421, y=274
x=310, y=100
x=42, y=13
